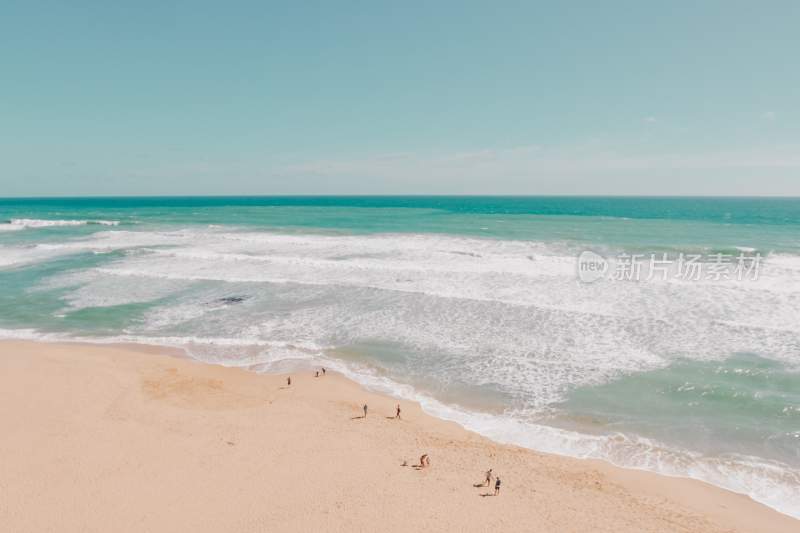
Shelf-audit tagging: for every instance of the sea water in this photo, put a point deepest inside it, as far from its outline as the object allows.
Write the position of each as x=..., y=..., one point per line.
x=473, y=306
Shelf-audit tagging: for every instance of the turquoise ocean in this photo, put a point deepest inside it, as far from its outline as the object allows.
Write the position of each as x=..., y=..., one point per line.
x=473, y=306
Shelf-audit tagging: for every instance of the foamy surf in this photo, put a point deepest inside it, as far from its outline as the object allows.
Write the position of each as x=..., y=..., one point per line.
x=40, y=223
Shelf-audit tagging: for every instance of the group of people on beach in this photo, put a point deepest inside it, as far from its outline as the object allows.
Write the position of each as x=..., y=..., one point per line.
x=488, y=481
x=424, y=460
x=397, y=410
x=316, y=375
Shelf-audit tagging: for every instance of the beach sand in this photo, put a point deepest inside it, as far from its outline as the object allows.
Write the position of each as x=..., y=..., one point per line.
x=119, y=438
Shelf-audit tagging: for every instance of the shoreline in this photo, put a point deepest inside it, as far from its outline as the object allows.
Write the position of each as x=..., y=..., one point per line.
x=64, y=400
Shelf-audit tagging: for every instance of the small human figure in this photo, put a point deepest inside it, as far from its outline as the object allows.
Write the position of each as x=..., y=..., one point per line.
x=365, y=410
x=497, y=486
x=397, y=412
x=317, y=374
x=323, y=370
x=488, y=480
x=289, y=380
x=424, y=461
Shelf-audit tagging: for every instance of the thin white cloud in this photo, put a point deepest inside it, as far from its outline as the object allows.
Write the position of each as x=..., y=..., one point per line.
x=529, y=160
x=585, y=169
x=591, y=168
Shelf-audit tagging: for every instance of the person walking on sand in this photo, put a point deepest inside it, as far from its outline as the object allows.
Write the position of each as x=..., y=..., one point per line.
x=289, y=380
x=424, y=461
x=323, y=371
x=365, y=410
x=317, y=374
x=497, y=486
x=488, y=480
x=397, y=413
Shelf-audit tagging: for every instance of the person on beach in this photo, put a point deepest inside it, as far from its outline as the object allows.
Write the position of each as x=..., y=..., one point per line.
x=317, y=374
x=424, y=461
x=365, y=410
x=397, y=413
x=323, y=370
x=497, y=486
x=488, y=480
x=289, y=380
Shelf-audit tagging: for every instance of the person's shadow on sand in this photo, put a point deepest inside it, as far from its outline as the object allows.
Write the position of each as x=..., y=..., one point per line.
x=357, y=417
x=485, y=494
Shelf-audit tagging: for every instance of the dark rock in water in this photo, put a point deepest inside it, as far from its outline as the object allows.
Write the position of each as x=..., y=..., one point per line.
x=230, y=300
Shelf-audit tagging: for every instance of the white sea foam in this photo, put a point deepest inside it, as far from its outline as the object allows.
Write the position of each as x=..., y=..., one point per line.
x=100, y=242
x=10, y=227
x=250, y=352
x=474, y=282
x=508, y=272
x=40, y=223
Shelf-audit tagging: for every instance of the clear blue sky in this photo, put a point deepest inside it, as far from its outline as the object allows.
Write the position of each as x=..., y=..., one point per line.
x=165, y=97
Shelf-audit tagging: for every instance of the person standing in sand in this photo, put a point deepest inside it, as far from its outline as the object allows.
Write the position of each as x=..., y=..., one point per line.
x=323, y=371
x=424, y=461
x=497, y=486
x=289, y=380
x=365, y=410
x=397, y=412
x=488, y=480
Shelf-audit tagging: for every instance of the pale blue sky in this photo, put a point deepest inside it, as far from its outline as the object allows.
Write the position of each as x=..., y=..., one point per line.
x=373, y=97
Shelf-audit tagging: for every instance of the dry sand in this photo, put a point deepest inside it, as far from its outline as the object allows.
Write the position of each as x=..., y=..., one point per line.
x=113, y=438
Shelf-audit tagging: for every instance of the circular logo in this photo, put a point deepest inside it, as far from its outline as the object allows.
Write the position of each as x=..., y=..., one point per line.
x=591, y=266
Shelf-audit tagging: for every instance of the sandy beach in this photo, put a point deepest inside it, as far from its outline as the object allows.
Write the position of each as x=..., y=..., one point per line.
x=119, y=438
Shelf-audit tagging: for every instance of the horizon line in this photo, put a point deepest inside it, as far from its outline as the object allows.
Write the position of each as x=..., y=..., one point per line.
x=438, y=195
